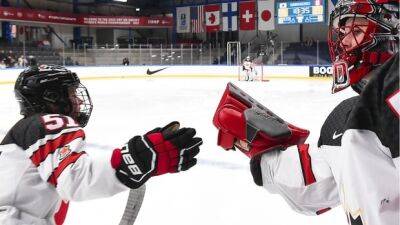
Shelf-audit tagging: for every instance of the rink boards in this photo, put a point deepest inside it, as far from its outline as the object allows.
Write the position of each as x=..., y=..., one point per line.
x=165, y=71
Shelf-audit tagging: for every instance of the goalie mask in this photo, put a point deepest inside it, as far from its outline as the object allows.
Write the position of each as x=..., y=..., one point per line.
x=363, y=35
x=53, y=89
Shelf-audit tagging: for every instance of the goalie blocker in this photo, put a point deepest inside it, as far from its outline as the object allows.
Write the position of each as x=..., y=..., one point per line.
x=251, y=127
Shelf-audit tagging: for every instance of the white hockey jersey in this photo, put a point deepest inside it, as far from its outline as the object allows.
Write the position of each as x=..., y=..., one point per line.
x=247, y=65
x=43, y=166
x=356, y=162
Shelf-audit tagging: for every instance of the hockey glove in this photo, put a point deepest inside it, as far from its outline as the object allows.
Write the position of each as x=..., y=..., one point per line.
x=251, y=127
x=162, y=150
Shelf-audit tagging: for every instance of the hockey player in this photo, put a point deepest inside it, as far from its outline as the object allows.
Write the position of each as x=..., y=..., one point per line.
x=248, y=70
x=357, y=159
x=43, y=163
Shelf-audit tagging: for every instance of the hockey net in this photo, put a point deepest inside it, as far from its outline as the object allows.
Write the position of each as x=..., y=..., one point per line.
x=256, y=73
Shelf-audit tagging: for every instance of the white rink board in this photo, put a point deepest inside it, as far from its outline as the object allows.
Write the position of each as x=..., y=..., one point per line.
x=9, y=75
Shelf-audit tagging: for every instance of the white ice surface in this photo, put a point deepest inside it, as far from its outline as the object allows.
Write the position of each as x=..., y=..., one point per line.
x=219, y=190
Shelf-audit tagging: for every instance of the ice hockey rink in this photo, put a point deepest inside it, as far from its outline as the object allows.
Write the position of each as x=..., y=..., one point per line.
x=219, y=190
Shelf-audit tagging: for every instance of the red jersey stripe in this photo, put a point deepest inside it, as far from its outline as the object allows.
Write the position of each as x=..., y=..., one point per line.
x=59, y=217
x=319, y=212
x=50, y=147
x=64, y=164
x=305, y=161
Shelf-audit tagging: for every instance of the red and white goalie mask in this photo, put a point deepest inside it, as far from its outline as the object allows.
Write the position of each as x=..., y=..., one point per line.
x=363, y=34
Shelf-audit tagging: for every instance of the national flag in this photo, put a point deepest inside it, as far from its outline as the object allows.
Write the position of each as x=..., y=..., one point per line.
x=247, y=17
x=266, y=15
x=212, y=17
x=197, y=18
x=229, y=16
x=182, y=19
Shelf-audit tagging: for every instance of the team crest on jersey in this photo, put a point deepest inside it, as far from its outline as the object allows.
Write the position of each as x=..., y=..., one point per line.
x=64, y=152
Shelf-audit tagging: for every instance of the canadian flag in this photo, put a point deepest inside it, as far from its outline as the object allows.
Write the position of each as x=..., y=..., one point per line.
x=266, y=17
x=212, y=17
x=247, y=16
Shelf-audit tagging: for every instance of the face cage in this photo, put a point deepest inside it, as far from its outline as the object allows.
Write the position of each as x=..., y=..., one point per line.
x=81, y=105
x=380, y=43
x=348, y=50
x=342, y=34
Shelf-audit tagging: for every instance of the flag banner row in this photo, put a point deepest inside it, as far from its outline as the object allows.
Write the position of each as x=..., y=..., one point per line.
x=245, y=15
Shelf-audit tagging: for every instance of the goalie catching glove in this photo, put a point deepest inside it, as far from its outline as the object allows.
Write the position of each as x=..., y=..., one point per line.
x=251, y=127
x=163, y=150
x=246, y=124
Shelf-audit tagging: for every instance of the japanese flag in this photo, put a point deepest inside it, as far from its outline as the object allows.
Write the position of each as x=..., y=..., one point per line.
x=266, y=17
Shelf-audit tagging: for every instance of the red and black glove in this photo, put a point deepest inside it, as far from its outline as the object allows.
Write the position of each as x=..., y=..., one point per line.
x=247, y=125
x=163, y=150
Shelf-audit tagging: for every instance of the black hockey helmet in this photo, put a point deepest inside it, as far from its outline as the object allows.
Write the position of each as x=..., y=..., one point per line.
x=53, y=89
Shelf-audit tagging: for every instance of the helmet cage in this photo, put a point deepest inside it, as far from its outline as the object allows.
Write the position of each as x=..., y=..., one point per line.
x=53, y=89
x=379, y=41
x=81, y=99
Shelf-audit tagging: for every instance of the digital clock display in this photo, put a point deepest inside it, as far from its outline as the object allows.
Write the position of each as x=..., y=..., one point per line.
x=295, y=12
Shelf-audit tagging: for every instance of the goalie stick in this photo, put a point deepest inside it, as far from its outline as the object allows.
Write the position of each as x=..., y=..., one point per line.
x=133, y=205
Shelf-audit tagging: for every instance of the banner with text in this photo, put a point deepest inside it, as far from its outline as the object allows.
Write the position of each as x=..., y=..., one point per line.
x=39, y=16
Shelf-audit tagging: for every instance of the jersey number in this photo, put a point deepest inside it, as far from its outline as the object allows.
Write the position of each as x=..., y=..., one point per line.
x=56, y=121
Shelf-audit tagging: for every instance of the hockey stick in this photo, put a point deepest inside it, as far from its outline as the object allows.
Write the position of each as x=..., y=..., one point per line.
x=133, y=205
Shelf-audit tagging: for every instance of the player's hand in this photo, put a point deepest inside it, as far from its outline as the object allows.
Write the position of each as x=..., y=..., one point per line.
x=163, y=150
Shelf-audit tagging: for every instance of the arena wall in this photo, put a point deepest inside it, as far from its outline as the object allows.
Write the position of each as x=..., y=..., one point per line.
x=8, y=76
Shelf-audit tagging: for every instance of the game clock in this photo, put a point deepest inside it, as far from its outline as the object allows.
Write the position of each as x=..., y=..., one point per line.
x=297, y=12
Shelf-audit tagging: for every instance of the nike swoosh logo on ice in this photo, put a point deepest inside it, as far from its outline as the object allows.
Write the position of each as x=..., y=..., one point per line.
x=335, y=136
x=149, y=72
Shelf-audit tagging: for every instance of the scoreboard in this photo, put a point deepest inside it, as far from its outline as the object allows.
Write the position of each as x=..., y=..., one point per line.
x=302, y=11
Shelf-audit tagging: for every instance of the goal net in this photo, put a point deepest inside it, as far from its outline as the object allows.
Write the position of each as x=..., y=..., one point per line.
x=253, y=72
